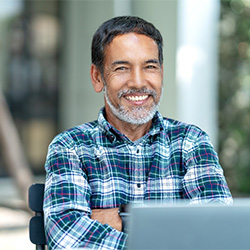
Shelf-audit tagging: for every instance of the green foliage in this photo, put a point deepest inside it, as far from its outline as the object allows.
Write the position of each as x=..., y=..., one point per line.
x=234, y=88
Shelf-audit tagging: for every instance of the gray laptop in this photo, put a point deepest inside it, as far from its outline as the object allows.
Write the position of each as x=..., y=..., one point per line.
x=190, y=227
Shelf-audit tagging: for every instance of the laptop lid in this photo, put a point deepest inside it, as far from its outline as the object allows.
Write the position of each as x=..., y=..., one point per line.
x=190, y=227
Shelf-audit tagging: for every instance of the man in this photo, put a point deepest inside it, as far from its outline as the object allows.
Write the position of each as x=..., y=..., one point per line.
x=131, y=153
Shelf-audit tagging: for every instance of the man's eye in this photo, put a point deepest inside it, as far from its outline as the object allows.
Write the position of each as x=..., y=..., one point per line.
x=151, y=67
x=120, y=69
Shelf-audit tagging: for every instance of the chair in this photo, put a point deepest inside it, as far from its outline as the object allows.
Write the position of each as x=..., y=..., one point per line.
x=36, y=224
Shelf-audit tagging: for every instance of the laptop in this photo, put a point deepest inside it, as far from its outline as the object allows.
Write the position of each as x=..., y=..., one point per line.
x=184, y=226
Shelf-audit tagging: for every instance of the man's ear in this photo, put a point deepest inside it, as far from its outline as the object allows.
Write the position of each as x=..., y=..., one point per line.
x=96, y=78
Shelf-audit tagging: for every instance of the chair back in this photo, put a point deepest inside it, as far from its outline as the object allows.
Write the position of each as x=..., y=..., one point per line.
x=36, y=224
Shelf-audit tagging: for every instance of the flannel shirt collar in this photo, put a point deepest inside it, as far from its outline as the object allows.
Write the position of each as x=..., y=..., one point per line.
x=114, y=134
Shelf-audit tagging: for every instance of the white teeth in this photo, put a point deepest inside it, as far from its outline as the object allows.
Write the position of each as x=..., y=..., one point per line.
x=137, y=98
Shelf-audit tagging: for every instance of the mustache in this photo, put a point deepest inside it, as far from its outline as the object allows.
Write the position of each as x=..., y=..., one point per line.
x=137, y=91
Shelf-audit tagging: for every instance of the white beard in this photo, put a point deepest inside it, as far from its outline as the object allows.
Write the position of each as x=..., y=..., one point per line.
x=136, y=116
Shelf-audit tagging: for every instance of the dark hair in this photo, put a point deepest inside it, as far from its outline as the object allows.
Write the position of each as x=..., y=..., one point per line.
x=122, y=25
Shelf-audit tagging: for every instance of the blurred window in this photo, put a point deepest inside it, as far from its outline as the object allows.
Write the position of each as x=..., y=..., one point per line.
x=31, y=84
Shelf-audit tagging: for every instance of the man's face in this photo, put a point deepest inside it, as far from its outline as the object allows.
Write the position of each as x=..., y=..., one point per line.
x=132, y=77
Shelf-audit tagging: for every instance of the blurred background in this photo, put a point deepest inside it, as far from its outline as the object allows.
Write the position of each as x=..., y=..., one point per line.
x=45, y=86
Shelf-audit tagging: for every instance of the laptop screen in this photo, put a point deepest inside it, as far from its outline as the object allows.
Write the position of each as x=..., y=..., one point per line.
x=190, y=227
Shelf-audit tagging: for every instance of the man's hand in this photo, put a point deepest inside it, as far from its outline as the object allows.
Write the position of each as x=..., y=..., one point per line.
x=108, y=216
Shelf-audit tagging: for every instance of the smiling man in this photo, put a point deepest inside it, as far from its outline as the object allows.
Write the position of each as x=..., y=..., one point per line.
x=131, y=153
x=132, y=78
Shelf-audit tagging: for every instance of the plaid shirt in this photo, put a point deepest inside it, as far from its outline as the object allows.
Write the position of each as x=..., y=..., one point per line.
x=95, y=166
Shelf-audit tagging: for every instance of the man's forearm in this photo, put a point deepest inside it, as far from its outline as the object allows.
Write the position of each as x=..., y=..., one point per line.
x=108, y=216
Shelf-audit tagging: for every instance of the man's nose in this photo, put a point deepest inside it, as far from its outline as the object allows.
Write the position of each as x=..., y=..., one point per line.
x=137, y=79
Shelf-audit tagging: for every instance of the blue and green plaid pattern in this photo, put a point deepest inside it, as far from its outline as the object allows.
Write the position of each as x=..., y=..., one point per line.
x=95, y=166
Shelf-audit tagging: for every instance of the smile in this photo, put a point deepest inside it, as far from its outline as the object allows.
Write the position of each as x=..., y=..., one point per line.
x=137, y=98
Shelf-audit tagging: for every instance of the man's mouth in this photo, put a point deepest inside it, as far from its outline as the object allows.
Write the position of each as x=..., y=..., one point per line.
x=136, y=98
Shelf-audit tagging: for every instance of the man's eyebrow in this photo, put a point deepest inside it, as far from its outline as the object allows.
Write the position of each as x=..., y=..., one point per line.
x=153, y=61
x=126, y=62
x=120, y=62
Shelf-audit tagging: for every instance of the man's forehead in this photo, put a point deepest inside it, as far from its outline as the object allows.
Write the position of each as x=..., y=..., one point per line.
x=130, y=35
x=130, y=40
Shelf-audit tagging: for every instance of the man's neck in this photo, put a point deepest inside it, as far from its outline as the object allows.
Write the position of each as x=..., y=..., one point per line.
x=132, y=131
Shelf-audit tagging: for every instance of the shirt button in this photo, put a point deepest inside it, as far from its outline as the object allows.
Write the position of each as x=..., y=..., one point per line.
x=139, y=185
x=138, y=151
